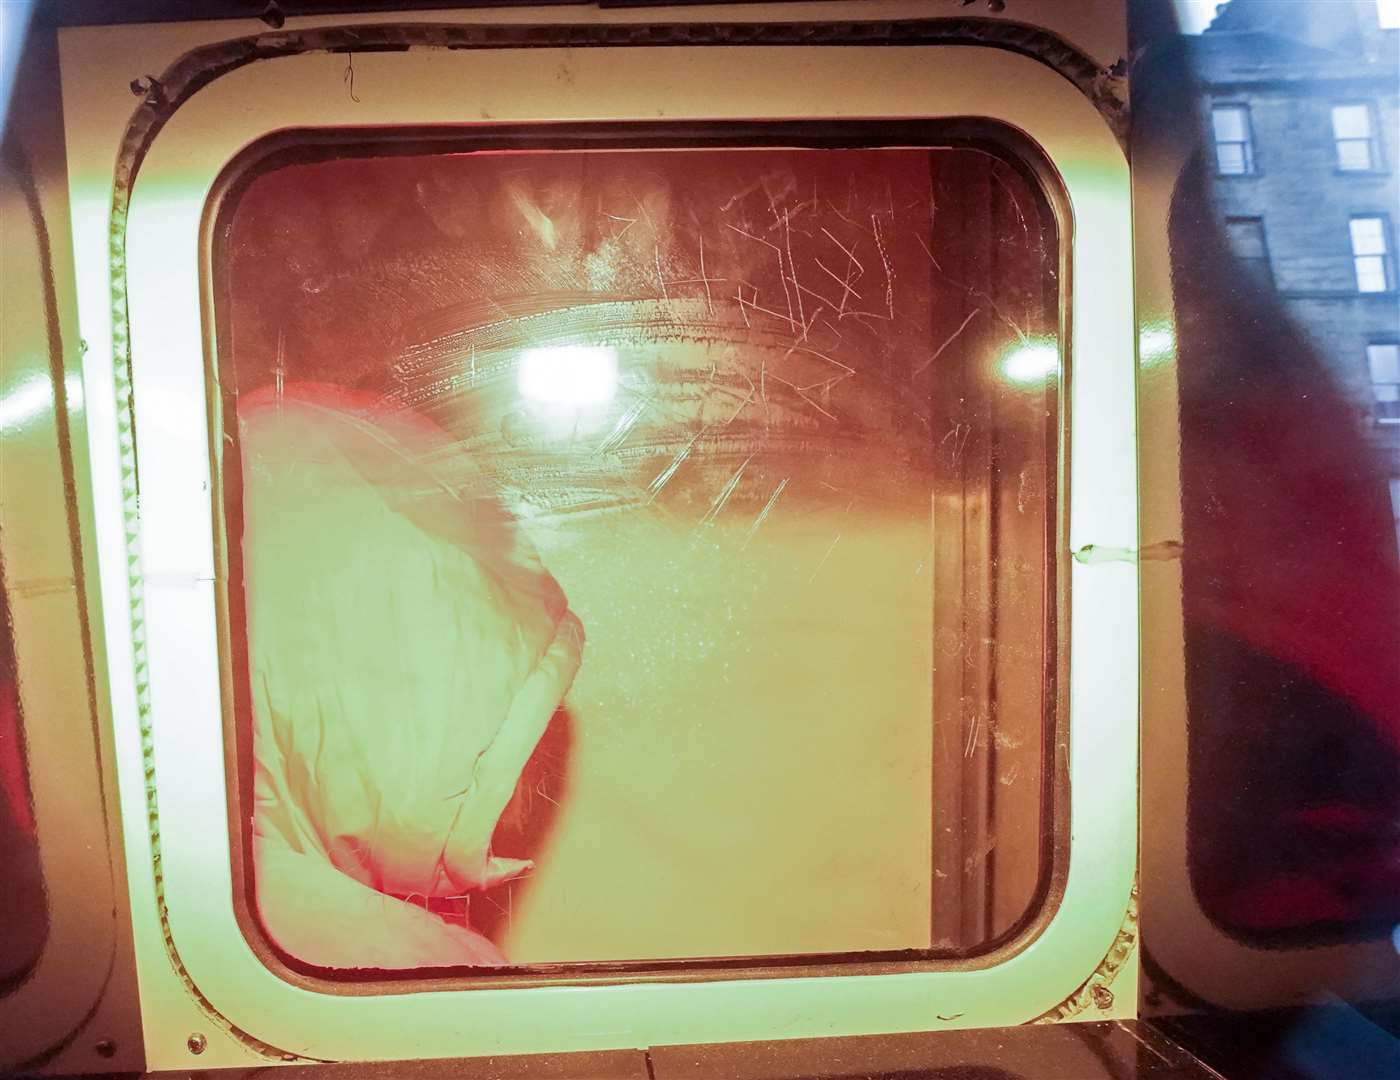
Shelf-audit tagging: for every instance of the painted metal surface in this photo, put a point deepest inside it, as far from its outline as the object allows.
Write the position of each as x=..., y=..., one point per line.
x=75, y=1004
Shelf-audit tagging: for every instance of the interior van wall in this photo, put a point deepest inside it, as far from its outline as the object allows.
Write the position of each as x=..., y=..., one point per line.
x=39, y=343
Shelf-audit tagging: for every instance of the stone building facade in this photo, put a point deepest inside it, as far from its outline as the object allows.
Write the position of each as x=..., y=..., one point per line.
x=1301, y=99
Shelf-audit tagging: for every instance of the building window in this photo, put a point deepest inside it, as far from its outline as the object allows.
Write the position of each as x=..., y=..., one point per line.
x=1247, y=242
x=1234, y=149
x=1370, y=252
x=1383, y=359
x=1354, y=130
x=1395, y=505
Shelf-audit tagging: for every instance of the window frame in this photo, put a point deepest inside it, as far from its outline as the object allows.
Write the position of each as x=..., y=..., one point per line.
x=1250, y=159
x=1372, y=139
x=198, y=943
x=1393, y=486
x=1386, y=255
x=1376, y=403
x=1265, y=278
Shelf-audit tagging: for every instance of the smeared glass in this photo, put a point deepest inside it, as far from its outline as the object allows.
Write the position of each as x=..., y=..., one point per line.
x=776, y=428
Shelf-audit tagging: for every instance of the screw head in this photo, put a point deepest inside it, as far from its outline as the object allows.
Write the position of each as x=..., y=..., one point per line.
x=105, y=1048
x=196, y=1043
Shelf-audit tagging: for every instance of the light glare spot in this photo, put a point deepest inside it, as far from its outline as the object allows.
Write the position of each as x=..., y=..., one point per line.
x=25, y=402
x=1156, y=343
x=1031, y=363
x=568, y=376
x=73, y=387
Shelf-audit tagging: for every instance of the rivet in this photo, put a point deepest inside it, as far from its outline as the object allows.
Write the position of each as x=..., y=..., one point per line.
x=196, y=1043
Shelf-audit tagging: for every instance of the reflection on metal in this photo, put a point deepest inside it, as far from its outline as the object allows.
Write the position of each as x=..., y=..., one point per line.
x=32, y=398
x=45, y=1012
x=1095, y=992
x=21, y=868
x=1156, y=344
x=25, y=402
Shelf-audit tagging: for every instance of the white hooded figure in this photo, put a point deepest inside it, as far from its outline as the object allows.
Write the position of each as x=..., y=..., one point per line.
x=406, y=649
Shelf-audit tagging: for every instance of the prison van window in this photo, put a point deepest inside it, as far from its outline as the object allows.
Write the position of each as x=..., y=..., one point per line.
x=641, y=555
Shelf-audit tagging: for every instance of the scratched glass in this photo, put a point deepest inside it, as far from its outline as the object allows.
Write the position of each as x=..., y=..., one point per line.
x=641, y=555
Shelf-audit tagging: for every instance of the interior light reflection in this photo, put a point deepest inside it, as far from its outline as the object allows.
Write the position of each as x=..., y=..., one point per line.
x=567, y=390
x=568, y=376
x=1031, y=362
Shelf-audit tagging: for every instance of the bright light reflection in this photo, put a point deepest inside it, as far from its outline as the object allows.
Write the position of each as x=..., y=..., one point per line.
x=1156, y=343
x=25, y=402
x=1031, y=363
x=73, y=386
x=562, y=377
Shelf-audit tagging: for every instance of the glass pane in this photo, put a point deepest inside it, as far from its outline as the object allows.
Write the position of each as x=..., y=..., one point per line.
x=1354, y=155
x=1351, y=122
x=1370, y=274
x=1395, y=487
x=1230, y=124
x=1247, y=238
x=1384, y=361
x=1231, y=158
x=1367, y=236
x=773, y=429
